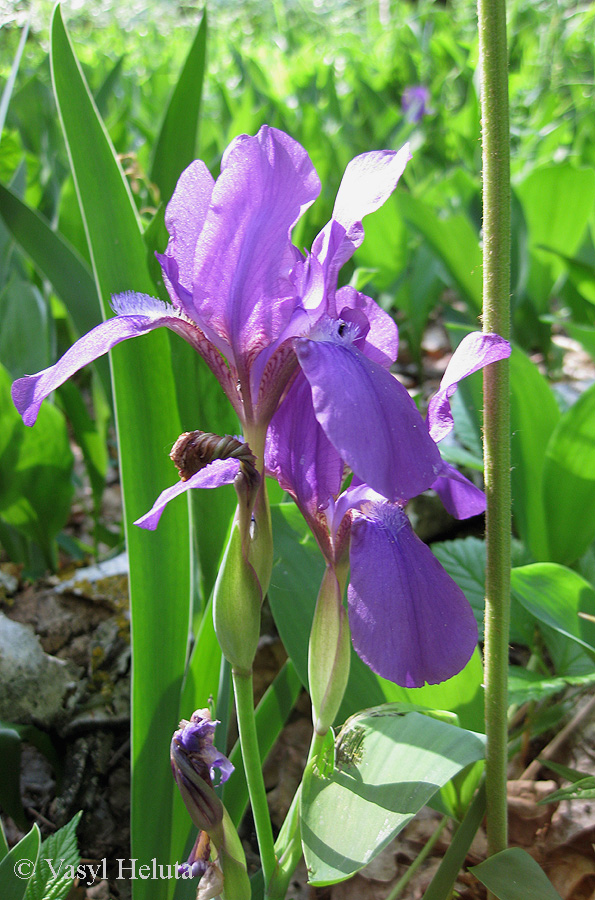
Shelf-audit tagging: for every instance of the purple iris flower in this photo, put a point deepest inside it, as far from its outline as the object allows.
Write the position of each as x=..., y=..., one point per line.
x=255, y=307
x=414, y=102
x=235, y=280
x=410, y=622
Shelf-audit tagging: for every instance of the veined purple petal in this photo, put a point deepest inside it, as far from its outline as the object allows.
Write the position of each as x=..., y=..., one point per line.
x=370, y=419
x=217, y=473
x=184, y=218
x=242, y=288
x=409, y=621
x=461, y=498
x=475, y=351
x=368, y=182
x=139, y=314
x=299, y=454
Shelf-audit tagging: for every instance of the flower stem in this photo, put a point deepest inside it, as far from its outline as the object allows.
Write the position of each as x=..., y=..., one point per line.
x=244, y=694
x=496, y=318
x=289, y=845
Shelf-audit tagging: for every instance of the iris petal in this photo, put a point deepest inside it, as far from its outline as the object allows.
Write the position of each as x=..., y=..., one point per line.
x=409, y=621
x=370, y=419
x=184, y=218
x=217, y=473
x=475, y=351
x=368, y=182
x=140, y=314
x=242, y=287
x=299, y=454
x=461, y=498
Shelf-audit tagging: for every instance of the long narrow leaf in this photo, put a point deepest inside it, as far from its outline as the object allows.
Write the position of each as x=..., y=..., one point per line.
x=147, y=421
x=59, y=262
x=176, y=144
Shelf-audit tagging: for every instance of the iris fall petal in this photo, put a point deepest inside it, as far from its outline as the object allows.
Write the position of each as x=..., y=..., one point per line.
x=370, y=419
x=409, y=621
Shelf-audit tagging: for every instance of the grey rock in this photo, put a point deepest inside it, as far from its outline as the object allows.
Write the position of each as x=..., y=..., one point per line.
x=33, y=685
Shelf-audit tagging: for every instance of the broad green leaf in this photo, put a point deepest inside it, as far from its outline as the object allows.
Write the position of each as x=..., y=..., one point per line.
x=147, y=421
x=569, y=482
x=557, y=201
x=62, y=850
x=454, y=240
x=462, y=694
x=22, y=859
x=525, y=686
x=387, y=767
x=35, y=472
x=533, y=417
x=175, y=147
x=10, y=81
x=585, y=334
x=385, y=247
x=464, y=560
x=556, y=596
x=514, y=875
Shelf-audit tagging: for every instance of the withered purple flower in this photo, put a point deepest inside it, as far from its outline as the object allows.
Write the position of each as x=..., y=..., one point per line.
x=194, y=759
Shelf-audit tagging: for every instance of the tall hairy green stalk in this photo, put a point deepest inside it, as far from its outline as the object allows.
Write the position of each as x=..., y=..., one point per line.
x=496, y=318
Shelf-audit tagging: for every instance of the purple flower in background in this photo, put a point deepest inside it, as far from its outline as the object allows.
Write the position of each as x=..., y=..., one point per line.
x=414, y=102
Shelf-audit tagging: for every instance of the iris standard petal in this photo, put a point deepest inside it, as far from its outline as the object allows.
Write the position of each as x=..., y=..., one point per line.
x=242, y=288
x=368, y=182
x=475, y=351
x=299, y=454
x=217, y=473
x=409, y=621
x=370, y=419
x=185, y=216
x=461, y=498
x=140, y=314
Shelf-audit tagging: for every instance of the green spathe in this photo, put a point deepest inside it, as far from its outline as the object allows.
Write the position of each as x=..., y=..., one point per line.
x=329, y=654
x=236, y=610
